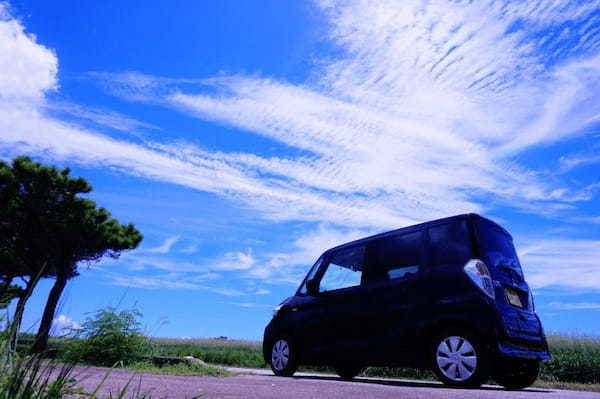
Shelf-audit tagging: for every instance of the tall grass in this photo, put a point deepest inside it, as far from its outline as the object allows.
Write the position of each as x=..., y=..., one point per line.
x=223, y=352
x=576, y=359
x=25, y=376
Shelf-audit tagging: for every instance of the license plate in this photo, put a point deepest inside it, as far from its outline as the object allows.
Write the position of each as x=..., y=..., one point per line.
x=513, y=297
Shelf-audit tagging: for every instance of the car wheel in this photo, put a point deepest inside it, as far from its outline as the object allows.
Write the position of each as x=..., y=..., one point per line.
x=459, y=358
x=347, y=371
x=517, y=374
x=283, y=357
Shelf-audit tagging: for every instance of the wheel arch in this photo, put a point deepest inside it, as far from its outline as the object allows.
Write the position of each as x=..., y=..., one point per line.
x=268, y=342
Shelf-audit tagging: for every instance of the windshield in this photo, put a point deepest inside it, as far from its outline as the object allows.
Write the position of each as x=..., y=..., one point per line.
x=497, y=247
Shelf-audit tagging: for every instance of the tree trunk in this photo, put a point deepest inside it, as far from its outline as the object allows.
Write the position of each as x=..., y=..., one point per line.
x=41, y=340
x=20, y=309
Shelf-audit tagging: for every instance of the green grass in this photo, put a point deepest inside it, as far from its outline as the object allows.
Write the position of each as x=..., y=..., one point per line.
x=180, y=369
x=223, y=352
x=575, y=364
x=576, y=359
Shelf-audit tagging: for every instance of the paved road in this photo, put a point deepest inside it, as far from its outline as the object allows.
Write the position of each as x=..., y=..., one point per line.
x=262, y=384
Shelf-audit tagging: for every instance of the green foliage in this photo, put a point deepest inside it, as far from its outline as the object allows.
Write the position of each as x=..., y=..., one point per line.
x=107, y=338
x=8, y=292
x=181, y=369
x=47, y=228
x=44, y=220
x=32, y=377
x=575, y=359
x=227, y=353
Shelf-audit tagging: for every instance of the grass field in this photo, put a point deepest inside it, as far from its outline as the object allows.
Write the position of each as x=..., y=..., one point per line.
x=180, y=369
x=576, y=359
x=575, y=363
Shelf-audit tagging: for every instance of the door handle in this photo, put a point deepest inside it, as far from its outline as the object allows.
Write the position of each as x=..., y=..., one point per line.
x=294, y=309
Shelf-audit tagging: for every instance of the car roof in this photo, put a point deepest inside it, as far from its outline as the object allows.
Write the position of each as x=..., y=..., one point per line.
x=416, y=227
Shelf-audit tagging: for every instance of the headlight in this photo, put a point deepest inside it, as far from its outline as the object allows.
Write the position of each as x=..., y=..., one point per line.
x=276, y=310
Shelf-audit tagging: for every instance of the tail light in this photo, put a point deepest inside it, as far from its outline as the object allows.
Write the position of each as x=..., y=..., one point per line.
x=480, y=275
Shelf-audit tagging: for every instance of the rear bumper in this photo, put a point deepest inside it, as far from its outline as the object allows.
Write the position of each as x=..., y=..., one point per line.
x=524, y=349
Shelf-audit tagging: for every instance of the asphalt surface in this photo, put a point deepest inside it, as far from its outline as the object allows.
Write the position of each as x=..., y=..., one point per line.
x=263, y=384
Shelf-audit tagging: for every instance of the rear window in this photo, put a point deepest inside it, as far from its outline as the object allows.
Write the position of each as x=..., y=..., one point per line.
x=450, y=244
x=497, y=247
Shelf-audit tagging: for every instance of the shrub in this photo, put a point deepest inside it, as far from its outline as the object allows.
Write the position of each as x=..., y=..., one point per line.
x=107, y=338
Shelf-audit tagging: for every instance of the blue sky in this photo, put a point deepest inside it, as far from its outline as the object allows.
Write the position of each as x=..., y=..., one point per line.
x=244, y=138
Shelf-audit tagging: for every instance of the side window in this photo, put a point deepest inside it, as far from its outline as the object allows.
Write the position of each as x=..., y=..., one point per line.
x=344, y=269
x=396, y=256
x=450, y=243
x=313, y=270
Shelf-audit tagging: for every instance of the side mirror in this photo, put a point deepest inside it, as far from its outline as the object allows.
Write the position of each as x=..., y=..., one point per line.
x=312, y=287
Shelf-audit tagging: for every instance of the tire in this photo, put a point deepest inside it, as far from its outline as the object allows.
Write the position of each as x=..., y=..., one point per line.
x=516, y=374
x=459, y=358
x=284, y=361
x=347, y=371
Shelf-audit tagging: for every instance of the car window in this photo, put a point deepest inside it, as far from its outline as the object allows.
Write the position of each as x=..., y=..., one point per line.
x=344, y=269
x=450, y=243
x=402, y=271
x=311, y=274
x=393, y=257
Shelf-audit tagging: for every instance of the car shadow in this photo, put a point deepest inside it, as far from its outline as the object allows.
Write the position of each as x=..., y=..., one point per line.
x=412, y=384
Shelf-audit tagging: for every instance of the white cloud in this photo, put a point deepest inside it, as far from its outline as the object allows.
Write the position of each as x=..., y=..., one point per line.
x=563, y=263
x=101, y=117
x=27, y=69
x=63, y=325
x=418, y=119
x=190, y=249
x=248, y=304
x=575, y=305
x=568, y=163
x=174, y=281
x=165, y=247
x=234, y=261
x=290, y=267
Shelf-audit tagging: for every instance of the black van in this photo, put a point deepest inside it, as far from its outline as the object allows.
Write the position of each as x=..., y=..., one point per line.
x=447, y=295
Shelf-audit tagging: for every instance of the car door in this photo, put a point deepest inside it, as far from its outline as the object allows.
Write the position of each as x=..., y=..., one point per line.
x=395, y=287
x=333, y=318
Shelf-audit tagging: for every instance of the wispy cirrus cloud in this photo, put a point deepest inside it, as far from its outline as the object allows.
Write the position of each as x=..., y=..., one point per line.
x=573, y=161
x=176, y=281
x=165, y=247
x=575, y=305
x=420, y=115
x=566, y=263
x=417, y=119
x=99, y=117
x=429, y=101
